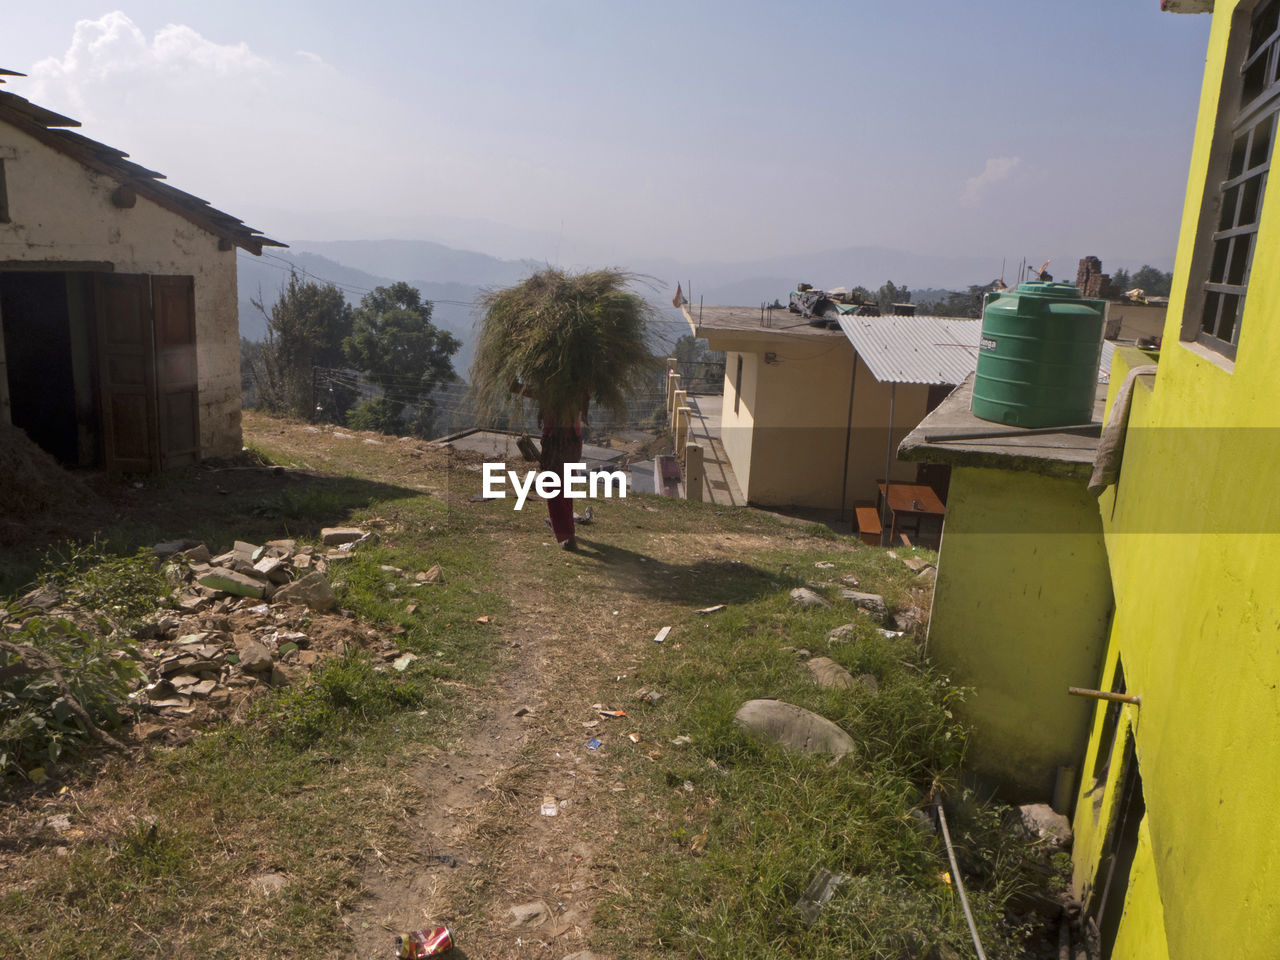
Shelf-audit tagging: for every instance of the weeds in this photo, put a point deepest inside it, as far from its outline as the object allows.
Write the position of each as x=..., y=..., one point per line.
x=119, y=591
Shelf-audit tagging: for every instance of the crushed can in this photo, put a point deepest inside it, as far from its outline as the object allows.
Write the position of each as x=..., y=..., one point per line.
x=423, y=943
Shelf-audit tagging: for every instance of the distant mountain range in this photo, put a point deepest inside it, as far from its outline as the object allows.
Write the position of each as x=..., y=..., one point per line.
x=453, y=278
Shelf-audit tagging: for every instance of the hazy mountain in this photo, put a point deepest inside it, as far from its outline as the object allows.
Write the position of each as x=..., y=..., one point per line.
x=421, y=260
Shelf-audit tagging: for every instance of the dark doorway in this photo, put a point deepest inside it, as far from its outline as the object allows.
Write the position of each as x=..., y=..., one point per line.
x=42, y=346
x=1107, y=904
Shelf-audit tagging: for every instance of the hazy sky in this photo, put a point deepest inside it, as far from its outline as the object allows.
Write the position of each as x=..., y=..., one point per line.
x=594, y=131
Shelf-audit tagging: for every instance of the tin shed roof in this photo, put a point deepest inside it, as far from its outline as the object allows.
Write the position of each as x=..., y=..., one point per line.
x=915, y=349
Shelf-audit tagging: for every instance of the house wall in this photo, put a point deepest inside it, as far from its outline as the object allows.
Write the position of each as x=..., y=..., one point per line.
x=1193, y=538
x=736, y=426
x=787, y=441
x=1020, y=612
x=61, y=211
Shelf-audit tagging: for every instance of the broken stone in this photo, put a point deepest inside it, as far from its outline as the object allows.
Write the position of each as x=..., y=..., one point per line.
x=827, y=673
x=274, y=569
x=313, y=591
x=1045, y=823
x=927, y=575
x=873, y=603
x=246, y=550
x=792, y=727
x=202, y=689
x=868, y=682
x=807, y=598
x=908, y=619
x=285, y=546
x=303, y=562
x=197, y=554
x=334, y=536
x=916, y=564
x=228, y=581
x=45, y=597
x=254, y=656
x=434, y=575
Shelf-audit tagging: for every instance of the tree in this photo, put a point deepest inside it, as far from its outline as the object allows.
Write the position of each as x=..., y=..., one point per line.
x=889, y=294
x=564, y=338
x=394, y=344
x=1120, y=283
x=305, y=328
x=961, y=304
x=861, y=294
x=1153, y=282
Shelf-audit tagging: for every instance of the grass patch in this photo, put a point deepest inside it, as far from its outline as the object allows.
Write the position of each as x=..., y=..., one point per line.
x=737, y=829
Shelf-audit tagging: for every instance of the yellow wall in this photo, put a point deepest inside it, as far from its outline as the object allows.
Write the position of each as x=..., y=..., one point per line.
x=1193, y=539
x=1020, y=613
x=787, y=441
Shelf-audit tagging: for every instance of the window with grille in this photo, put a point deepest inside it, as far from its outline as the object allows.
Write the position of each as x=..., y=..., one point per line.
x=1241, y=193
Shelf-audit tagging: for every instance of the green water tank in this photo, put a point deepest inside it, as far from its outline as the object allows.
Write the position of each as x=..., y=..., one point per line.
x=1038, y=357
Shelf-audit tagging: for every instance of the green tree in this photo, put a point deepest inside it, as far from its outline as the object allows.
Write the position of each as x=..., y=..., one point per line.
x=394, y=344
x=889, y=294
x=1153, y=282
x=305, y=328
x=565, y=339
x=1120, y=282
x=861, y=294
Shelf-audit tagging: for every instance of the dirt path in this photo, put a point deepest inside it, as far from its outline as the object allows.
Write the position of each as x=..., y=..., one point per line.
x=483, y=842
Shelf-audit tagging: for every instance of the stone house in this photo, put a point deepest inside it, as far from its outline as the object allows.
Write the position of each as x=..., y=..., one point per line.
x=118, y=304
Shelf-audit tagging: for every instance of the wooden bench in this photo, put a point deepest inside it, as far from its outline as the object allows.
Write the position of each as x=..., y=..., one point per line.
x=868, y=525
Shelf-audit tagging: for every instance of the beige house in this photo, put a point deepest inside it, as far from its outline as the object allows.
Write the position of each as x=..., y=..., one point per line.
x=118, y=303
x=812, y=416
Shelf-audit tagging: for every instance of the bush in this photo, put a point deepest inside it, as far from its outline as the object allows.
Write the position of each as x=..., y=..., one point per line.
x=37, y=725
x=120, y=592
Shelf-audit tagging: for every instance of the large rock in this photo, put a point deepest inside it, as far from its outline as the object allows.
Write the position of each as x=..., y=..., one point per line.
x=793, y=727
x=313, y=590
x=228, y=581
x=335, y=536
x=1045, y=823
x=254, y=656
x=827, y=673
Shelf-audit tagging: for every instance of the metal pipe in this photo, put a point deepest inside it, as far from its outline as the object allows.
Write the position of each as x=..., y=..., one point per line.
x=955, y=875
x=1103, y=695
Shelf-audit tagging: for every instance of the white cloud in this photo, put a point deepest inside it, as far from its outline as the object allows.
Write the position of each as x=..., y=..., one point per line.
x=308, y=55
x=112, y=52
x=996, y=169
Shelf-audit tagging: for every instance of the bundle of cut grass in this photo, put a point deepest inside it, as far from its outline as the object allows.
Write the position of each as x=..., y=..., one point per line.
x=566, y=339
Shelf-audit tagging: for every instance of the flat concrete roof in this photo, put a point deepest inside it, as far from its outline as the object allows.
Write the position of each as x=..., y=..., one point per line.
x=753, y=323
x=1053, y=454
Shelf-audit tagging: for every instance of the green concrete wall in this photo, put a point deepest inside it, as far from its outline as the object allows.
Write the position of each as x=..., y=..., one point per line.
x=1020, y=613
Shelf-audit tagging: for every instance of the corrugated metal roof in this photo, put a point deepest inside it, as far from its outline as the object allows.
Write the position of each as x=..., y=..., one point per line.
x=915, y=349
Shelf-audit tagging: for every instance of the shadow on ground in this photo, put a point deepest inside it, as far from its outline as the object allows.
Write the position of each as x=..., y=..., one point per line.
x=703, y=582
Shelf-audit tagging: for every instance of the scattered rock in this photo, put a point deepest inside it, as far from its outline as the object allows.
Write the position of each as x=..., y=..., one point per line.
x=873, y=603
x=916, y=564
x=807, y=598
x=842, y=634
x=434, y=575
x=927, y=575
x=313, y=591
x=170, y=547
x=827, y=673
x=1045, y=823
x=793, y=727
x=868, y=682
x=254, y=656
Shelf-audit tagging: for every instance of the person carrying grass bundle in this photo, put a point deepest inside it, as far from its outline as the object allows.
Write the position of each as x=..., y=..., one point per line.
x=565, y=340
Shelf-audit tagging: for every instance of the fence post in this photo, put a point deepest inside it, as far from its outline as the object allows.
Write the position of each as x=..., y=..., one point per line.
x=693, y=472
x=677, y=399
x=682, y=428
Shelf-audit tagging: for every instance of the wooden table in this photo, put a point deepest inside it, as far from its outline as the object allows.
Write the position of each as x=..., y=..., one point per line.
x=915, y=511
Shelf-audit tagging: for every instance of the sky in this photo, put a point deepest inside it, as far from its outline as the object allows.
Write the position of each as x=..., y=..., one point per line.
x=586, y=132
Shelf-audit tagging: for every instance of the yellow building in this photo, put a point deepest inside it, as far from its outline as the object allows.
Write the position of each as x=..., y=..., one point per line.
x=1177, y=852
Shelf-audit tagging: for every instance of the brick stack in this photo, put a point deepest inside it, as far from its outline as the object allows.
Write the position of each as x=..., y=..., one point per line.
x=1090, y=279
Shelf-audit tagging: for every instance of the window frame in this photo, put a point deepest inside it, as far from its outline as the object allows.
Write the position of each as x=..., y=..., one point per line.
x=1221, y=265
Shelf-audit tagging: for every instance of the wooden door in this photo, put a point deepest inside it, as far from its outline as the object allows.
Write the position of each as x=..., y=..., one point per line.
x=177, y=386
x=127, y=374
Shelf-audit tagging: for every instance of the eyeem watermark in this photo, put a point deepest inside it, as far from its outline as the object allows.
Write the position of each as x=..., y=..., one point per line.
x=573, y=482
